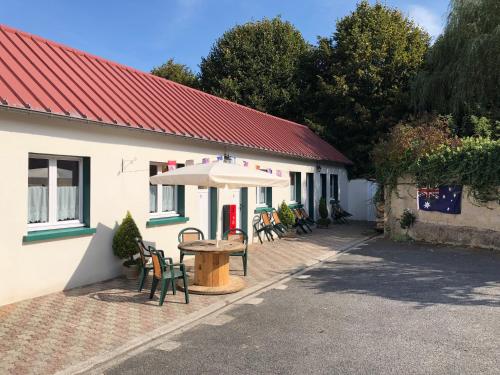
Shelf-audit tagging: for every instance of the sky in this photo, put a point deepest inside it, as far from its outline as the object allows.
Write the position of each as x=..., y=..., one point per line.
x=144, y=34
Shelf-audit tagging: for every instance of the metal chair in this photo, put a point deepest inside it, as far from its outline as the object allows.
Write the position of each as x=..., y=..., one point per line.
x=240, y=235
x=189, y=234
x=166, y=273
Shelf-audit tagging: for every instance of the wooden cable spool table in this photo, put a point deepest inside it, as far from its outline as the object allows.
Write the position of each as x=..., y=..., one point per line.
x=211, y=266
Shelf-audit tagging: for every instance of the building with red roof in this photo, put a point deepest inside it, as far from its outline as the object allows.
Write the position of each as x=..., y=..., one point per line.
x=81, y=135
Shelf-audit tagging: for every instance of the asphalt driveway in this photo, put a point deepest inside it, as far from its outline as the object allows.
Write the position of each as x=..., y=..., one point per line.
x=382, y=308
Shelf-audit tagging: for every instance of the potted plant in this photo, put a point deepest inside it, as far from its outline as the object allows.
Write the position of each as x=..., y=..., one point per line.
x=125, y=247
x=287, y=218
x=323, y=221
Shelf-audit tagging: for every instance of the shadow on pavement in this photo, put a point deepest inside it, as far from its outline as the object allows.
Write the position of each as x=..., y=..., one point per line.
x=413, y=272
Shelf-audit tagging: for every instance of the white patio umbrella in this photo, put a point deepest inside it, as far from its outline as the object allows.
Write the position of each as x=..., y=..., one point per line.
x=220, y=175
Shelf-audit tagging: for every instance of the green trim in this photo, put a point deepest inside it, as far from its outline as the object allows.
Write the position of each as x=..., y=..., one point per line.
x=335, y=186
x=258, y=210
x=86, y=192
x=244, y=209
x=269, y=196
x=181, y=199
x=298, y=195
x=166, y=221
x=323, y=185
x=310, y=194
x=295, y=205
x=213, y=212
x=51, y=234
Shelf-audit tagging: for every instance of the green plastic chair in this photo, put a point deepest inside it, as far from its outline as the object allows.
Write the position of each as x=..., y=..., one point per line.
x=238, y=234
x=166, y=274
x=189, y=234
x=145, y=259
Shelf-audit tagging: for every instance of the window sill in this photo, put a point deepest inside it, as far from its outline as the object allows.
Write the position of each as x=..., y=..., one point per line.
x=166, y=221
x=295, y=205
x=258, y=210
x=44, y=235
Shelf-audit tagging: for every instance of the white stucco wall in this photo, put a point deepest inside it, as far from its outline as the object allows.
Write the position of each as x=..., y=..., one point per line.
x=32, y=269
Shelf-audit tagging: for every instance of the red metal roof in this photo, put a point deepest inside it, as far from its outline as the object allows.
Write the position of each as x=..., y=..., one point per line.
x=43, y=76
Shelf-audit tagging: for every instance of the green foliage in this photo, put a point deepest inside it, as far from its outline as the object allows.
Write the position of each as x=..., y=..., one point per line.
x=357, y=82
x=406, y=143
x=475, y=164
x=286, y=215
x=256, y=64
x=462, y=74
x=124, y=245
x=323, y=209
x=431, y=153
x=408, y=218
x=178, y=73
x=484, y=127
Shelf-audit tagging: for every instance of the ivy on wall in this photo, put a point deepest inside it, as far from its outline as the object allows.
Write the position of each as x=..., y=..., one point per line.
x=475, y=163
x=427, y=149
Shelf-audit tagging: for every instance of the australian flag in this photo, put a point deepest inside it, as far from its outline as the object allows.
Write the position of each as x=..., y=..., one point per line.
x=446, y=199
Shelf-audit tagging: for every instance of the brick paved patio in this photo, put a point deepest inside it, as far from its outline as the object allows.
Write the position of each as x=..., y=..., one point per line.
x=47, y=334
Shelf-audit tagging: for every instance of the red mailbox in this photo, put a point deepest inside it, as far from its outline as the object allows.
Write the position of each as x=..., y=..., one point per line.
x=232, y=216
x=228, y=217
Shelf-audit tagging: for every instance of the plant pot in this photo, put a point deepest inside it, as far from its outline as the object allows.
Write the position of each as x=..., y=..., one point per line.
x=323, y=223
x=131, y=273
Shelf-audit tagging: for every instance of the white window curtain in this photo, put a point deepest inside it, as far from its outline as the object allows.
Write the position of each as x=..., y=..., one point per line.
x=153, y=198
x=67, y=203
x=261, y=195
x=38, y=204
x=168, y=198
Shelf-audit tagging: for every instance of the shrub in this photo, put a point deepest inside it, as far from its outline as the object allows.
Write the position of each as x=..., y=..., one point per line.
x=286, y=215
x=476, y=164
x=124, y=245
x=323, y=210
x=408, y=218
x=428, y=150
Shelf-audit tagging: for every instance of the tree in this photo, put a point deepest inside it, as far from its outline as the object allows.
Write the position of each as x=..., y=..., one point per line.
x=256, y=64
x=357, y=82
x=461, y=74
x=178, y=73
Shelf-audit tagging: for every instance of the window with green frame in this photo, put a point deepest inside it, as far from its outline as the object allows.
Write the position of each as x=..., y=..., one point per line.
x=166, y=202
x=295, y=187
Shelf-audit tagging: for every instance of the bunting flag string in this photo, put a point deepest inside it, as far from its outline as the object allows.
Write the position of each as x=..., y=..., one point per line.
x=172, y=165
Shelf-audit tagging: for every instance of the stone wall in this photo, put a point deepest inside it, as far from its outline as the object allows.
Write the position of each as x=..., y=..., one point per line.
x=477, y=225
